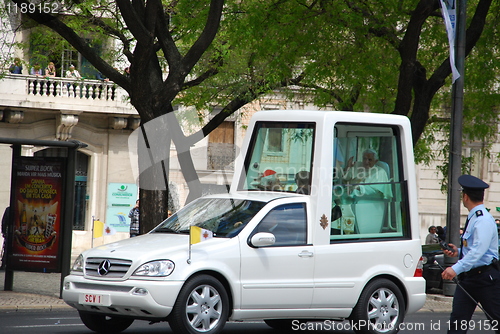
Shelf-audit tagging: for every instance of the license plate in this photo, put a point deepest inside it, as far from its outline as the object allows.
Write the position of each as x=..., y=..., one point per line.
x=94, y=299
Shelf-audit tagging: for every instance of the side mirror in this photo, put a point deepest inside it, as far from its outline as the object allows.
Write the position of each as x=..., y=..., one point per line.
x=262, y=239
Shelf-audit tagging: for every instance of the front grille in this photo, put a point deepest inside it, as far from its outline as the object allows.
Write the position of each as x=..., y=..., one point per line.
x=117, y=267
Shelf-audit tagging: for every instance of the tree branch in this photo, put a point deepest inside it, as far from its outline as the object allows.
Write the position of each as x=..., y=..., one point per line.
x=206, y=37
x=167, y=43
x=133, y=20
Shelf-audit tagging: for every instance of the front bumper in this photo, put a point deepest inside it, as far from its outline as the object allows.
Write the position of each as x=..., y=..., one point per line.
x=144, y=299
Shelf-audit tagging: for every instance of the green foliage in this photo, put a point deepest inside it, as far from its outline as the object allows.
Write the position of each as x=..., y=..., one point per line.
x=342, y=55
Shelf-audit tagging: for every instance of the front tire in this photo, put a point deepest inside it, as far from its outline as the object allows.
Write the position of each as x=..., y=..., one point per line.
x=380, y=307
x=104, y=324
x=201, y=307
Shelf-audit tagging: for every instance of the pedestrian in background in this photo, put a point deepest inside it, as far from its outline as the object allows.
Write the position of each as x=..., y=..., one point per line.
x=432, y=237
x=441, y=233
x=477, y=267
x=5, y=229
x=134, y=220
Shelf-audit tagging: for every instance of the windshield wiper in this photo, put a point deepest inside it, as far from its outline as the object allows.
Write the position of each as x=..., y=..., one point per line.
x=166, y=230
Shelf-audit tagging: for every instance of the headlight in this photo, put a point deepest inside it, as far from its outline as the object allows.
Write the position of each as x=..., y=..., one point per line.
x=424, y=259
x=78, y=264
x=155, y=268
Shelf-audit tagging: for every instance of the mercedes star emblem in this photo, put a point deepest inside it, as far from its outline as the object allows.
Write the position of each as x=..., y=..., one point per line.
x=103, y=268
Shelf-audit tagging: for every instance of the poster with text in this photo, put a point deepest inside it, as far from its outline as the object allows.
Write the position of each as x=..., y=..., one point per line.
x=121, y=199
x=37, y=214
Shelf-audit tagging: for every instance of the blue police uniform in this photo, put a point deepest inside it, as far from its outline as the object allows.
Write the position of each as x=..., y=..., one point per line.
x=476, y=269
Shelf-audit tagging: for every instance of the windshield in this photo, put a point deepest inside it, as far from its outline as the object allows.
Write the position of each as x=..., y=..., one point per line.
x=223, y=216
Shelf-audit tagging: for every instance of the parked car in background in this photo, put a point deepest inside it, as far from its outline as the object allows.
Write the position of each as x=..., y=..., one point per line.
x=432, y=271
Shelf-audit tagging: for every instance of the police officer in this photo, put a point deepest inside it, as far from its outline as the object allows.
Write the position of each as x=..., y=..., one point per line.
x=477, y=267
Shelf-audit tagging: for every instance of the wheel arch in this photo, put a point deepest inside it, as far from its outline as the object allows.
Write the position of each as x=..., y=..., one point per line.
x=222, y=279
x=396, y=281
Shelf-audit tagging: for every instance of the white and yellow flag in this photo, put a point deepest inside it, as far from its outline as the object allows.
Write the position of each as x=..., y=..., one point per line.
x=198, y=234
x=98, y=229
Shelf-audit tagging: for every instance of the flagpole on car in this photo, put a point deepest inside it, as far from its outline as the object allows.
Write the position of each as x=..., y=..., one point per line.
x=190, y=243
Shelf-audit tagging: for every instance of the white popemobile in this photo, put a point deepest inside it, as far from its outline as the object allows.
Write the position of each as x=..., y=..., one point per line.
x=293, y=241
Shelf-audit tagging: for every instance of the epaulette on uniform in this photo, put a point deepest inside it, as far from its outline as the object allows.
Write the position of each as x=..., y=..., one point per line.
x=479, y=213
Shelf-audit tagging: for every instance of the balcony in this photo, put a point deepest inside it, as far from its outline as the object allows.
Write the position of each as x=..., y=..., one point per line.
x=64, y=95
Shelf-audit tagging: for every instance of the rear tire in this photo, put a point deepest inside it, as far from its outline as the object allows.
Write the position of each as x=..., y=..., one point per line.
x=201, y=307
x=104, y=324
x=380, y=307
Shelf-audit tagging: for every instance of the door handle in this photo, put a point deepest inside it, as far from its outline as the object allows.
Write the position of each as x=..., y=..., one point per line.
x=306, y=254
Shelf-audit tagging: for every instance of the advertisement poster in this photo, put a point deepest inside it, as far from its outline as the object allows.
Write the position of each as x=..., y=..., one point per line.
x=37, y=214
x=121, y=199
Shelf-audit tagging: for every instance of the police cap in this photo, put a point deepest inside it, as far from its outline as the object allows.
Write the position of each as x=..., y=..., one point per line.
x=469, y=182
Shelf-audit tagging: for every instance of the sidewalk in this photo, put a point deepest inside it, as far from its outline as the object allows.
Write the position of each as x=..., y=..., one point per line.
x=31, y=291
x=41, y=291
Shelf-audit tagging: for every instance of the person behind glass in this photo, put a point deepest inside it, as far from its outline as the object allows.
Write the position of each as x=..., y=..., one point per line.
x=302, y=179
x=17, y=67
x=134, y=220
x=477, y=267
x=432, y=237
x=368, y=186
x=367, y=171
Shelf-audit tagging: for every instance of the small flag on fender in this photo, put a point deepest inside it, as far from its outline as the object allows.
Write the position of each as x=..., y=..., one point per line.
x=198, y=234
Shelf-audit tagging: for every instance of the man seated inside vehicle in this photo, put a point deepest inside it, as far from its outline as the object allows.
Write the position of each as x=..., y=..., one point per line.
x=368, y=184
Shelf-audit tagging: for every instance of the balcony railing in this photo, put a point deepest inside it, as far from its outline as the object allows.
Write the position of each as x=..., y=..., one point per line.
x=73, y=88
x=28, y=91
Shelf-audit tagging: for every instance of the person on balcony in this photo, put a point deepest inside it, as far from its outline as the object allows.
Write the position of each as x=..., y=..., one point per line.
x=50, y=70
x=101, y=89
x=38, y=86
x=17, y=67
x=73, y=72
x=36, y=70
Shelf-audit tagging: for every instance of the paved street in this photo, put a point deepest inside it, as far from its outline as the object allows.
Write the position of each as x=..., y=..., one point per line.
x=39, y=292
x=42, y=291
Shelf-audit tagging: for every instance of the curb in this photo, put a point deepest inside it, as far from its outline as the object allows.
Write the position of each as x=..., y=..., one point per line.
x=440, y=298
x=35, y=308
x=19, y=301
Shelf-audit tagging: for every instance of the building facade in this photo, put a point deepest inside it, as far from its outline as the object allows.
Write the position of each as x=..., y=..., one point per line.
x=98, y=114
